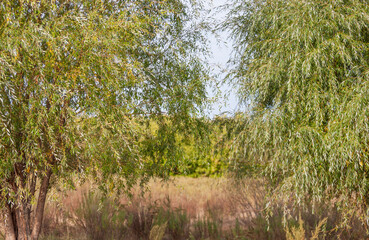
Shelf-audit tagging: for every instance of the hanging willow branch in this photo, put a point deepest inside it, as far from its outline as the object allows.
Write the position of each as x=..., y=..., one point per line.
x=303, y=68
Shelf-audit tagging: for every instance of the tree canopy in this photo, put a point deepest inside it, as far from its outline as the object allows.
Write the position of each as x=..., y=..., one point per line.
x=302, y=66
x=78, y=81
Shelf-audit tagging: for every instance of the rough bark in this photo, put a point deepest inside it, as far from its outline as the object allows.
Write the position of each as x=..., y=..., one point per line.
x=23, y=220
x=21, y=224
x=10, y=230
x=39, y=214
x=18, y=222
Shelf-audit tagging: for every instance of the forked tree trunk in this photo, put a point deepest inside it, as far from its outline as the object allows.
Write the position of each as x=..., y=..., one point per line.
x=18, y=219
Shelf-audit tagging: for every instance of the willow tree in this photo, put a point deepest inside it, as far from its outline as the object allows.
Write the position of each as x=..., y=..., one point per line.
x=77, y=79
x=302, y=68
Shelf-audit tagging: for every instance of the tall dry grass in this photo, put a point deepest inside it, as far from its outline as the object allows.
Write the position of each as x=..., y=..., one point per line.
x=189, y=208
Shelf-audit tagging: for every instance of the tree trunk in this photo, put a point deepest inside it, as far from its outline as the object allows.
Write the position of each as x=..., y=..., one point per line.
x=17, y=221
x=23, y=221
x=18, y=216
x=10, y=226
x=37, y=223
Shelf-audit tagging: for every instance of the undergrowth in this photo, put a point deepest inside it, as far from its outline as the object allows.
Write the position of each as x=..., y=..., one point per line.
x=223, y=212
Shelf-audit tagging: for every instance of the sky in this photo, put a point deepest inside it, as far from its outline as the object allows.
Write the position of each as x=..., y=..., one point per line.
x=221, y=50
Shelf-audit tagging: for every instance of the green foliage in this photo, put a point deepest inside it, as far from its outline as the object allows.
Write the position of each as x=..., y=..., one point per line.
x=76, y=75
x=302, y=66
x=208, y=155
x=198, y=148
x=73, y=75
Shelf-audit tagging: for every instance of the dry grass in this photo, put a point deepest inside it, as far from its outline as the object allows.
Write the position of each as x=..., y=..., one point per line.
x=188, y=208
x=203, y=207
x=194, y=195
